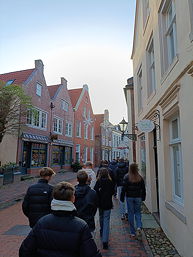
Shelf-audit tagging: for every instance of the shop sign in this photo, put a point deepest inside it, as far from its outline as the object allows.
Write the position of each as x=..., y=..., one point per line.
x=146, y=125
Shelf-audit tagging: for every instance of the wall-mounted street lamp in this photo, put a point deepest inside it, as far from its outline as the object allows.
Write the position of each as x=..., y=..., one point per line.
x=122, y=127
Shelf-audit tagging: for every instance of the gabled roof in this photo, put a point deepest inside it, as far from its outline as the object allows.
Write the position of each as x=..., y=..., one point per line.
x=99, y=118
x=52, y=90
x=19, y=77
x=74, y=95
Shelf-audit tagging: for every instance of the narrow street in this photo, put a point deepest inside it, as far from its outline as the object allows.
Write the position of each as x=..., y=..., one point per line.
x=14, y=228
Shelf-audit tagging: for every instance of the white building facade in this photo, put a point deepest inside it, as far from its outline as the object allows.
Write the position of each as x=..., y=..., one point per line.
x=163, y=91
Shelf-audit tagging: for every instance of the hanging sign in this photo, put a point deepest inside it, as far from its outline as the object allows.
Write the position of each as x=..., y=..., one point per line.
x=145, y=125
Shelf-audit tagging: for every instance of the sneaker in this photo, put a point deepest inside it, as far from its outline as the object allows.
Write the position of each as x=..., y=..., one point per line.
x=122, y=217
x=139, y=234
x=126, y=216
x=105, y=245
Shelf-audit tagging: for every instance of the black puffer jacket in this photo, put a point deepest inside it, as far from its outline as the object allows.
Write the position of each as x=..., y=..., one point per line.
x=37, y=201
x=105, y=189
x=86, y=202
x=120, y=172
x=134, y=190
x=60, y=234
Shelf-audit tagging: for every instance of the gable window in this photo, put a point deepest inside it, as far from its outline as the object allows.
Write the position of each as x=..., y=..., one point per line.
x=78, y=129
x=37, y=118
x=58, y=125
x=86, y=131
x=92, y=133
x=168, y=34
x=151, y=67
x=176, y=160
x=64, y=105
x=38, y=89
x=140, y=90
x=84, y=112
x=68, y=129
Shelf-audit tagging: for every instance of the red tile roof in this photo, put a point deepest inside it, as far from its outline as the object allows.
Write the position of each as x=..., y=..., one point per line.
x=52, y=90
x=99, y=118
x=74, y=95
x=19, y=77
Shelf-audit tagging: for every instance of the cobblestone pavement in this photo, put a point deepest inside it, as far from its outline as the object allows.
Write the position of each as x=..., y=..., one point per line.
x=14, y=225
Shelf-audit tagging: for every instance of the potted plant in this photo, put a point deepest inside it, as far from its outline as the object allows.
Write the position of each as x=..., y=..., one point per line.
x=76, y=166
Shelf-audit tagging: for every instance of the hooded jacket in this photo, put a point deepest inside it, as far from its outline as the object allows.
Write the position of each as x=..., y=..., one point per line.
x=60, y=234
x=86, y=202
x=121, y=171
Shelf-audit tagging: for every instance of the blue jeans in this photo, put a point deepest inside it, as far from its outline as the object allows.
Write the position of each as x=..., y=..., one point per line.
x=134, y=211
x=122, y=205
x=104, y=219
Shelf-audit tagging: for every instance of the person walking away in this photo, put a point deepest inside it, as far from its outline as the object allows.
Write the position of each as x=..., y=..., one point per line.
x=112, y=172
x=134, y=189
x=61, y=233
x=120, y=172
x=105, y=190
x=38, y=197
x=86, y=200
x=92, y=176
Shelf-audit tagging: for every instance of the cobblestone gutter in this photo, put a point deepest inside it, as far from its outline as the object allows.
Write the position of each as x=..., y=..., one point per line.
x=157, y=243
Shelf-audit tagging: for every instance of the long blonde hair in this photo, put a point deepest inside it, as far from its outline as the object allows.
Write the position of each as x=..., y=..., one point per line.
x=134, y=175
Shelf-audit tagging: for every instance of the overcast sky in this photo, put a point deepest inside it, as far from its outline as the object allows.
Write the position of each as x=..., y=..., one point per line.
x=85, y=41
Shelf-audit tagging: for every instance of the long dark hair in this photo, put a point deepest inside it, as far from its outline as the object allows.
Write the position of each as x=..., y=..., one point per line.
x=134, y=175
x=103, y=173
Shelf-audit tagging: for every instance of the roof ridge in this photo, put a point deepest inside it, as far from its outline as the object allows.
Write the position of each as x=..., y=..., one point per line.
x=17, y=71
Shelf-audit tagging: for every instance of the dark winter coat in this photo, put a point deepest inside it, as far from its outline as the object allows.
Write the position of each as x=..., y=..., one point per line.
x=120, y=172
x=105, y=189
x=37, y=201
x=112, y=170
x=60, y=234
x=86, y=202
x=134, y=190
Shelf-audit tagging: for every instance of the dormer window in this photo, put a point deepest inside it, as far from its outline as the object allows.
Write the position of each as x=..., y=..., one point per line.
x=38, y=89
x=9, y=82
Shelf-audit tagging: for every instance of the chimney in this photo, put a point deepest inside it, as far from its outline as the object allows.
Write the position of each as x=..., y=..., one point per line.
x=106, y=115
x=39, y=65
x=85, y=86
x=64, y=82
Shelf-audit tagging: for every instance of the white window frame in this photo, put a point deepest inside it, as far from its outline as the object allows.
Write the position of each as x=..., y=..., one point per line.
x=173, y=143
x=140, y=89
x=92, y=154
x=78, y=129
x=57, y=125
x=92, y=133
x=78, y=151
x=64, y=105
x=68, y=129
x=38, y=89
x=85, y=131
x=168, y=32
x=33, y=122
x=151, y=67
x=85, y=154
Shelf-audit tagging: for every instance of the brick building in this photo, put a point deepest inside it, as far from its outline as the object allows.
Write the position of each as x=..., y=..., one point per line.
x=83, y=125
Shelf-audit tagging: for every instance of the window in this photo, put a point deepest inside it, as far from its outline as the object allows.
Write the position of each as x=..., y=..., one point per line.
x=146, y=11
x=68, y=129
x=86, y=131
x=151, y=67
x=142, y=156
x=176, y=160
x=64, y=105
x=37, y=118
x=38, y=89
x=92, y=133
x=77, y=153
x=58, y=125
x=9, y=82
x=168, y=34
x=84, y=112
x=68, y=155
x=140, y=90
x=57, y=155
x=39, y=155
x=78, y=129
x=85, y=154
x=92, y=154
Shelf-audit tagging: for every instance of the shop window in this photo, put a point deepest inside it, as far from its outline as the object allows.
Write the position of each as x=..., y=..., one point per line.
x=57, y=155
x=68, y=155
x=39, y=155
